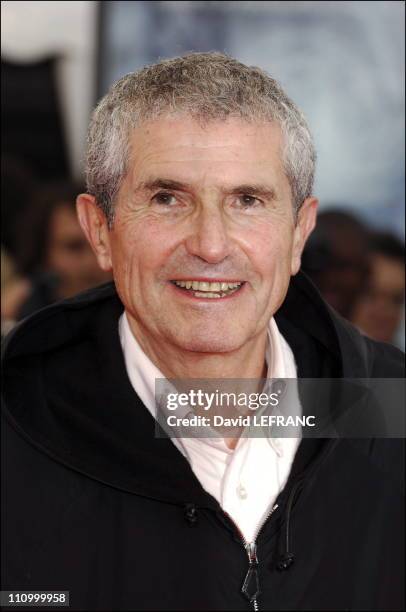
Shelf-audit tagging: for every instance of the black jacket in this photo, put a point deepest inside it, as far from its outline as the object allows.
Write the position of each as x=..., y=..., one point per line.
x=95, y=504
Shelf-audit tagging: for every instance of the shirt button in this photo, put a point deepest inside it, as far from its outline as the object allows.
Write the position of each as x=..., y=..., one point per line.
x=242, y=492
x=279, y=386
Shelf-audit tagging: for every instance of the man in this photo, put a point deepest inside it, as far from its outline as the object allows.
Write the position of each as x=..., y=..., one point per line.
x=200, y=173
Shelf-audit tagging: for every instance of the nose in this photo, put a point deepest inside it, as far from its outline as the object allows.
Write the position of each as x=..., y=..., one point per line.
x=208, y=238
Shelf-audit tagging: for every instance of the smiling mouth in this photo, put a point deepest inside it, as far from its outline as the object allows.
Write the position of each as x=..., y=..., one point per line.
x=211, y=290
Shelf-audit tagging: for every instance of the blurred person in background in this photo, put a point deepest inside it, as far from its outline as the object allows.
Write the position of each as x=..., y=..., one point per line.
x=18, y=183
x=336, y=259
x=53, y=252
x=14, y=290
x=379, y=308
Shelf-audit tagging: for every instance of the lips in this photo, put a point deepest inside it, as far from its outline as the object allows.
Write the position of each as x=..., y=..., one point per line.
x=209, y=289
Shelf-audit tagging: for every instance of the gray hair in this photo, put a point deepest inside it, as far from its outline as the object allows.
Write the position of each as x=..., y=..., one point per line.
x=205, y=86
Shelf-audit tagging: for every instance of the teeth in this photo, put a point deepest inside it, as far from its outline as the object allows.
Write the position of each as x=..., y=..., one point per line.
x=207, y=294
x=206, y=286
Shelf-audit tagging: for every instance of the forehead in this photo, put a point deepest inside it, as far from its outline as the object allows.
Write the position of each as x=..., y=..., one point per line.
x=218, y=150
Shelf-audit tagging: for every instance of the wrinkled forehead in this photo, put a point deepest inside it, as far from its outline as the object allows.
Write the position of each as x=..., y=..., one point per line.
x=184, y=149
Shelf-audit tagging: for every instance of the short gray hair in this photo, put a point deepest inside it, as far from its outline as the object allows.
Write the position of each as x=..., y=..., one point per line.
x=205, y=86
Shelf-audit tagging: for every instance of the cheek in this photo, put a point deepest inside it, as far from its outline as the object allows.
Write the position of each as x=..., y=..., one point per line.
x=139, y=250
x=271, y=253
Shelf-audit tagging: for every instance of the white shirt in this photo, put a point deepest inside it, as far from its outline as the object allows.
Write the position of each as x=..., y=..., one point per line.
x=245, y=481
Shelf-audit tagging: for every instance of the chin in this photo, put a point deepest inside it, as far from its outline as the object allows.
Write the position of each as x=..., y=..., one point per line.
x=211, y=347
x=209, y=343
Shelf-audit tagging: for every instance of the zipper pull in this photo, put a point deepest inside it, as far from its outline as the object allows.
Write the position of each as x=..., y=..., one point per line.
x=250, y=587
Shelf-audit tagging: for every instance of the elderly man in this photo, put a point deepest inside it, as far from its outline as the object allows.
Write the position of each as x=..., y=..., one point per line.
x=199, y=174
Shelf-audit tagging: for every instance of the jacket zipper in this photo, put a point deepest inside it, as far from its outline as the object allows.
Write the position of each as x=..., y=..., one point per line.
x=251, y=549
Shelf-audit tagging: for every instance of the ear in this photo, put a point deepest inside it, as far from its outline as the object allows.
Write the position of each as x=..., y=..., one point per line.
x=94, y=225
x=306, y=221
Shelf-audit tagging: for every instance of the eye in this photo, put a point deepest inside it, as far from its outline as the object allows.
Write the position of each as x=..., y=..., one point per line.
x=164, y=198
x=248, y=201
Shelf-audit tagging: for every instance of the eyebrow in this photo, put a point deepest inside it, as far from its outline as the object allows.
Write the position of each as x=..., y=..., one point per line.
x=261, y=190
x=264, y=191
x=162, y=183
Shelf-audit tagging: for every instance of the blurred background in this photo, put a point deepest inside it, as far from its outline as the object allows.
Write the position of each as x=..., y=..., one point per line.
x=341, y=62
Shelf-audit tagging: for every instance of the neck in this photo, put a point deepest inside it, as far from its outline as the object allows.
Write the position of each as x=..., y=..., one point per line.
x=247, y=361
